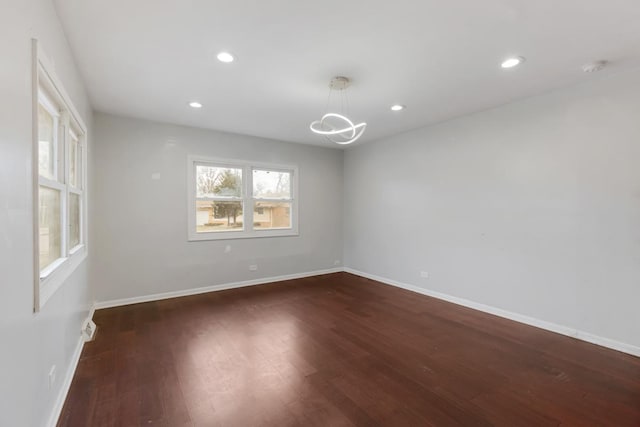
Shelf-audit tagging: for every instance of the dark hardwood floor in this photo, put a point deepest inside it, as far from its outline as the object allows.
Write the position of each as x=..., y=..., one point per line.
x=340, y=350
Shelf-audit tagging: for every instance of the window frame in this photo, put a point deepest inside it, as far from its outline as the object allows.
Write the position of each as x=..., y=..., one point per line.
x=255, y=199
x=48, y=91
x=78, y=190
x=247, y=199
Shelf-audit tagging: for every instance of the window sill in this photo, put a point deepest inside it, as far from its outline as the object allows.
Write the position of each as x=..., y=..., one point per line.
x=233, y=235
x=54, y=276
x=51, y=268
x=76, y=249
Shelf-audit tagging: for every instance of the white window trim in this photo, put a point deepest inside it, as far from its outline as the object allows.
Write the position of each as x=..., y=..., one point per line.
x=48, y=280
x=50, y=107
x=247, y=183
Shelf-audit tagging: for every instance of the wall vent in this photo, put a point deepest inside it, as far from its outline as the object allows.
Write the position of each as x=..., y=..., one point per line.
x=89, y=330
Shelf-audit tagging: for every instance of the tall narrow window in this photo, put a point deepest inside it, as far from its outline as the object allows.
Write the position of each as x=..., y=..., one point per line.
x=59, y=178
x=50, y=183
x=60, y=183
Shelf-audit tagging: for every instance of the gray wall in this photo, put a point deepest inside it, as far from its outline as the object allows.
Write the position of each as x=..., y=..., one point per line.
x=142, y=223
x=533, y=207
x=31, y=343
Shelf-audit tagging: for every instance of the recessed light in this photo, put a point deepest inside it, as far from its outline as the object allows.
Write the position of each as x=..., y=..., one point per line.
x=398, y=107
x=225, y=57
x=513, y=62
x=195, y=104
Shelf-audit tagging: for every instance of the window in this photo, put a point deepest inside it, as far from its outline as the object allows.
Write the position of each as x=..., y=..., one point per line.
x=49, y=186
x=230, y=199
x=271, y=199
x=59, y=184
x=219, y=198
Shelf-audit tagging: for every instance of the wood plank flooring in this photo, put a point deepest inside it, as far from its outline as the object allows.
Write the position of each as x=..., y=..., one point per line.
x=340, y=350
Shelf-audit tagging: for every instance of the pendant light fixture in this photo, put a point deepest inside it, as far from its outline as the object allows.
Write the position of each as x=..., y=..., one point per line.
x=338, y=128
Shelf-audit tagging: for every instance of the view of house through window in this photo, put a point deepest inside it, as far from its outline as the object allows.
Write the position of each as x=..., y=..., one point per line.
x=270, y=189
x=219, y=199
x=241, y=199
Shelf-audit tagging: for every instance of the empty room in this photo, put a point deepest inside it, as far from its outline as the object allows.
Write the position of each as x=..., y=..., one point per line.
x=346, y=213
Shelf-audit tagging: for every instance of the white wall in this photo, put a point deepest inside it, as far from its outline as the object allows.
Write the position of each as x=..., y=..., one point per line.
x=141, y=223
x=31, y=343
x=533, y=207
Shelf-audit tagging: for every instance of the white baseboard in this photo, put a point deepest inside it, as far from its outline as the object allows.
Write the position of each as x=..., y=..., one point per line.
x=66, y=385
x=549, y=326
x=225, y=286
x=64, y=390
x=542, y=324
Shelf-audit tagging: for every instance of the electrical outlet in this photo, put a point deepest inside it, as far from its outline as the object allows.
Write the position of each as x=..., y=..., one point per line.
x=52, y=376
x=253, y=267
x=424, y=274
x=336, y=262
x=227, y=249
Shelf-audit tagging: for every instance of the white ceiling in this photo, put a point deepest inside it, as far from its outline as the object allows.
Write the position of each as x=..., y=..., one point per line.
x=149, y=58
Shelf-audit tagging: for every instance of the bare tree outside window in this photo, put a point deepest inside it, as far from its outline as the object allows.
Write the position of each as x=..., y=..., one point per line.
x=224, y=186
x=233, y=199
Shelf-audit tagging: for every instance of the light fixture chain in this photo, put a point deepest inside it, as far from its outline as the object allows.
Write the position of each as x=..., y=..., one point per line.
x=348, y=109
x=326, y=108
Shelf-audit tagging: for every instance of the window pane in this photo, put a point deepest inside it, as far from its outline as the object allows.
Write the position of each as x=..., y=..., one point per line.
x=268, y=215
x=213, y=181
x=74, y=220
x=79, y=160
x=218, y=216
x=50, y=232
x=73, y=161
x=46, y=144
x=271, y=184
